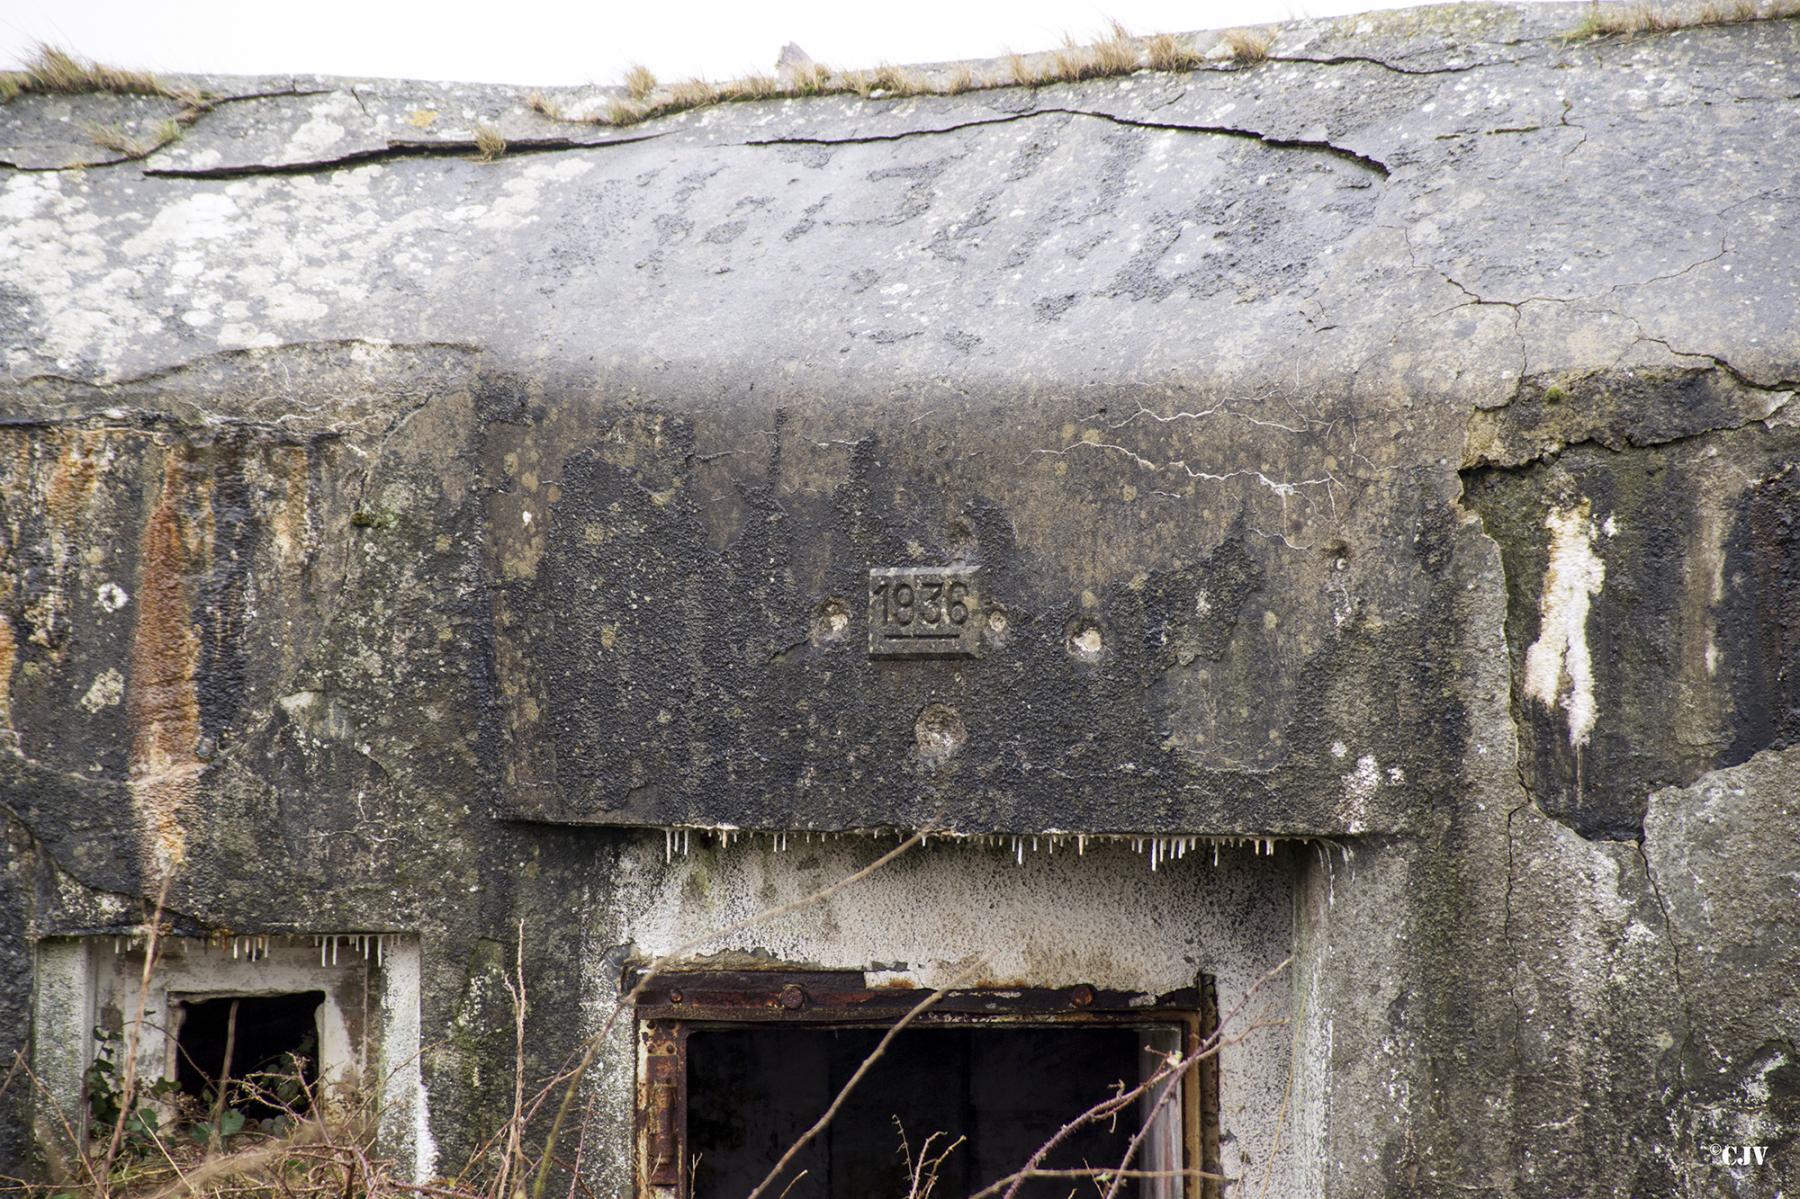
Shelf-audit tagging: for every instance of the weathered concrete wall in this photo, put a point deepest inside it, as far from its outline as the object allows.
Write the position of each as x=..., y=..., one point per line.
x=1408, y=416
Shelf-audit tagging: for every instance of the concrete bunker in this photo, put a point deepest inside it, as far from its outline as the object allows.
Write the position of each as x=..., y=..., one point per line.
x=420, y=582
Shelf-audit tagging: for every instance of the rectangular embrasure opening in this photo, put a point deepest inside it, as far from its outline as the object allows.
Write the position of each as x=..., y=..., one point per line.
x=262, y=1051
x=961, y=1099
x=984, y=1098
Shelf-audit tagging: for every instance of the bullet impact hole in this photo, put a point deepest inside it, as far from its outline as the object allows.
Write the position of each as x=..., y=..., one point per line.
x=831, y=620
x=939, y=734
x=997, y=624
x=1086, y=643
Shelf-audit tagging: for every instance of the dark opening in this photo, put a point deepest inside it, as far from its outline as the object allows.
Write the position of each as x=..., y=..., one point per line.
x=275, y=1044
x=753, y=1091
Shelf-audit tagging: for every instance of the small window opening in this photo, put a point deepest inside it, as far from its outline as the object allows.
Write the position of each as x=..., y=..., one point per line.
x=265, y=1047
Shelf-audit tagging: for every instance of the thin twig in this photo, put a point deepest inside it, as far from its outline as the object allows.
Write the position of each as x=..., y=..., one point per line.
x=1111, y=1106
x=128, y=1089
x=217, y=1139
x=47, y=1102
x=1117, y=1103
x=918, y=1009
x=512, y=1163
x=598, y=1039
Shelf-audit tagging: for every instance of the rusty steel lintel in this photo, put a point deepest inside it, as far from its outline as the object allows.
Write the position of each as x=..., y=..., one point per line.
x=838, y=996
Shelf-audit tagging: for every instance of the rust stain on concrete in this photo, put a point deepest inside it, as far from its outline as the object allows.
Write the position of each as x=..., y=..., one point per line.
x=162, y=700
x=9, y=654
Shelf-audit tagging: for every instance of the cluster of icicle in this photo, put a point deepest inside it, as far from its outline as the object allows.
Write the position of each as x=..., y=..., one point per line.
x=1158, y=849
x=255, y=947
x=369, y=945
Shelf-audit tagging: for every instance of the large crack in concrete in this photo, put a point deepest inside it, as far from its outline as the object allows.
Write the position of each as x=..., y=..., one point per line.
x=1365, y=161
x=397, y=151
x=393, y=152
x=1681, y=993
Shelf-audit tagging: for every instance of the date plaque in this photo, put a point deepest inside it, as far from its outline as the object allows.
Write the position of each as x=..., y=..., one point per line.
x=924, y=612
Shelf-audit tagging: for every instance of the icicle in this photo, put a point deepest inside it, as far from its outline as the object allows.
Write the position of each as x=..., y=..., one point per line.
x=321, y=953
x=378, y=941
x=334, y=947
x=1019, y=850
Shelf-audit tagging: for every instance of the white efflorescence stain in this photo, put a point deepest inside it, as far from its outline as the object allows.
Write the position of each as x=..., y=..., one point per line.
x=1558, y=667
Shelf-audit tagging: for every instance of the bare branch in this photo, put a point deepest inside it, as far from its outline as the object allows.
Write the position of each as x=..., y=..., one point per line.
x=598, y=1039
x=918, y=1009
x=128, y=1089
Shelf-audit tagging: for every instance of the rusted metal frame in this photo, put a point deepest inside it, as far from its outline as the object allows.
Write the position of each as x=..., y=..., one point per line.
x=661, y=1124
x=1202, y=1114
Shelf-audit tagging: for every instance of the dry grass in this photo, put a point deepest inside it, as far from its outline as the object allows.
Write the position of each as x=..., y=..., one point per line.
x=692, y=93
x=883, y=82
x=114, y=138
x=1025, y=73
x=750, y=87
x=54, y=71
x=1116, y=51
x=1245, y=45
x=539, y=103
x=1619, y=20
x=808, y=79
x=896, y=81
x=639, y=82
x=1166, y=52
x=961, y=80
x=1630, y=20
x=1718, y=14
x=1113, y=53
x=489, y=145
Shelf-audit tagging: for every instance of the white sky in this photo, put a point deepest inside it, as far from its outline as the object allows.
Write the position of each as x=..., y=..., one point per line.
x=550, y=42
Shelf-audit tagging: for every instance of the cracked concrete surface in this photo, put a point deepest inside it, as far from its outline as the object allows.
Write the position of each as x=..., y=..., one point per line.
x=440, y=525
